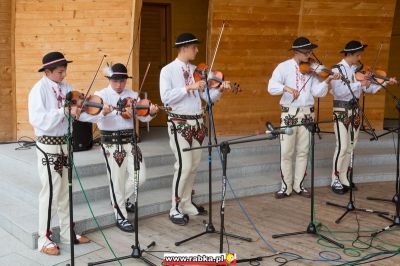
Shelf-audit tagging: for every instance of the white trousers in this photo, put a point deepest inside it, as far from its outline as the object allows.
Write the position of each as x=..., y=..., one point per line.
x=122, y=176
x=56, y=188
x=295, y=146
x=342, y=155
x=185, y=167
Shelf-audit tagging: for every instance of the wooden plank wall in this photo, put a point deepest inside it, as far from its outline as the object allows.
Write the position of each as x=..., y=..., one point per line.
x=394, y=65
x=7, y=93
x=84, y=30
x=257, y=38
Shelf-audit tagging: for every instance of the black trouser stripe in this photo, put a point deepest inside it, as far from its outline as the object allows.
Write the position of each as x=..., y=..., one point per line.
x=305, y=172
x=115, y=204
x=280, y=166
x=50, y=193
x=180, y=166
x=339, y=145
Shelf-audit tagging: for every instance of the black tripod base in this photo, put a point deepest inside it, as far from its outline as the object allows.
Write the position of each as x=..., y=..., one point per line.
x=396, y=222
x=395, y=130
x=351, y=207
x=395, y=199
x=210, y=229
x=136, y=254
x=311, y=229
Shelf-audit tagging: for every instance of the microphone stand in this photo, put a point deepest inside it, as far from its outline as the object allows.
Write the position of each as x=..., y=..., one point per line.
x=312, y=227
x=69, y=165
x=350, y=205
x=317, y=129
x=137, y=252
x=369, y=131
x=209, y=227
x=395, y=199
x=225, y=149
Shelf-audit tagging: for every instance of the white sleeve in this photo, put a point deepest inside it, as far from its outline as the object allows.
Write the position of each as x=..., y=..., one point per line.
x=41, y=117
x=85, y=117
x=373, y=88
x=145, y=119
x=319, y=89
x=215, y=94
x=276, y=82
x=170, y=95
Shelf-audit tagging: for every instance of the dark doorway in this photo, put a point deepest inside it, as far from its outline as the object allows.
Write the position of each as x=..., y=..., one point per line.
x=155, y=47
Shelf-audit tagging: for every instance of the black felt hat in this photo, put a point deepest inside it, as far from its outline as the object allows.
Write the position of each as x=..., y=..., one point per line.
x=185, y=39
x=117, y=71
x=354, y=46
x=302, y=43
x=52, y=60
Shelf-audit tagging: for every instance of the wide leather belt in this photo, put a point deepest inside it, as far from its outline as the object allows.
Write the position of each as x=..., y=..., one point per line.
x=52, y=140
x=185, y=117
x=116, y=137
x=286, y=109
x=342, y=104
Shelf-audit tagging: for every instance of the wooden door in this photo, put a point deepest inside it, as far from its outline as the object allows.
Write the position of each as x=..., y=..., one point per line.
x=154, y=48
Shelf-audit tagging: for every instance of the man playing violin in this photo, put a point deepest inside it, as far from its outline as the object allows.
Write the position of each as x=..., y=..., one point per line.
x=184, y=95
x=346, y=112
x=116, y=130
x=297, y=106
x=48, y=116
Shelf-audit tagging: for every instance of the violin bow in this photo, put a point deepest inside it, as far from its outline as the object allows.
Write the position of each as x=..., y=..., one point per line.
x=377, y=56
x=136, y=37
x=217, y=46
x=94, y=78
x=144, y=78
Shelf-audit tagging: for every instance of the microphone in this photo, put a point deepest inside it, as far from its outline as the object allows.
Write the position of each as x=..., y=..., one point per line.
x=269, y=126
x=68, y=96
x=142, y=107
x=277, y=131
x=343, y=78
x=212, y=76
x=93, y=104
x=375, y=76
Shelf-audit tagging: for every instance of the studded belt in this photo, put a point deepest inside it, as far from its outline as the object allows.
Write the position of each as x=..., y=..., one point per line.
x=52, y=140
x=116, y=137
x=342, y=104
x=185, y=117
x=286, y=109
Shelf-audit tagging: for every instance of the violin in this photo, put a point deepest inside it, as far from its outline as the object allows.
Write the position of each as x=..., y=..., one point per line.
x=214, y=79
x=312, y=66
x=92, y=105
x=142, y=107
x=377, y=75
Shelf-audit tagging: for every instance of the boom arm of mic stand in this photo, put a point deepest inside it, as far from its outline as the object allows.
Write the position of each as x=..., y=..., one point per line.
x=271, y=137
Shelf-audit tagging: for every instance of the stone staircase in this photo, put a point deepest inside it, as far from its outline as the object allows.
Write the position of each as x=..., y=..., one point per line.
x=253, y=168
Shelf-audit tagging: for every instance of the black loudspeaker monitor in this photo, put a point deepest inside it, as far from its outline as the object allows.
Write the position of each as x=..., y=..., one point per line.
x=82, y=136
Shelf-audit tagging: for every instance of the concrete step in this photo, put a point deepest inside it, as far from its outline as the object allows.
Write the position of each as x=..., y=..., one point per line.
x=89, y=164
x=21, y=221
x=253, y=168
x=97, y=187
x=161, y=176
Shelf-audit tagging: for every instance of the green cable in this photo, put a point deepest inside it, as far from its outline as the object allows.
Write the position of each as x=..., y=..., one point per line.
x=349, y=251
x=357, y=251
x=87, y=201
